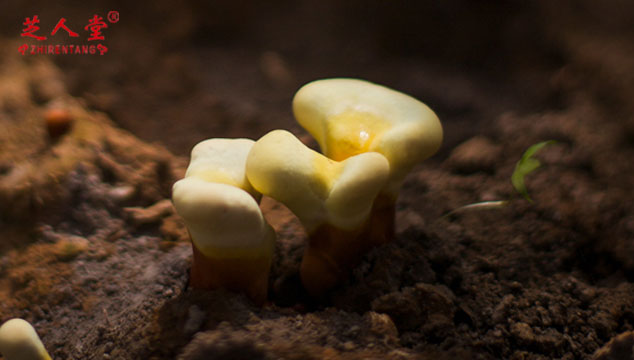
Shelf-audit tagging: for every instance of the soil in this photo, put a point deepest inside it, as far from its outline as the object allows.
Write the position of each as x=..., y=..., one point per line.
x=93, y=254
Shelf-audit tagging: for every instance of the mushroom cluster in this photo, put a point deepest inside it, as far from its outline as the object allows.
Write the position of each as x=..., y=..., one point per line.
x=370, y=136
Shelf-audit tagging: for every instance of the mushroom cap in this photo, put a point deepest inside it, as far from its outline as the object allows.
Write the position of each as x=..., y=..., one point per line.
x=317, y=189
x=19, y=341
x=348, y=117
x=223, y=220
x=221, y=161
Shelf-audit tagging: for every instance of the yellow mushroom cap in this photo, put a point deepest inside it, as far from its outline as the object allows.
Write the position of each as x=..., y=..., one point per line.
x=349, y=117
x=218, y=204
x=317, y=189
x=223, y=220
x=19, y=341
x=221, y=161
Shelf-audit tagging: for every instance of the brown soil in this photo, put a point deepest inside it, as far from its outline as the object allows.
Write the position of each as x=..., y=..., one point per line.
x=94, y=256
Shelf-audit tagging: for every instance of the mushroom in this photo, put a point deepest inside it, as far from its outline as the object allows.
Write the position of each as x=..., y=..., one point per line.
x=231, y=241
x=332, y=200
x=19, y=341
x=348, y=117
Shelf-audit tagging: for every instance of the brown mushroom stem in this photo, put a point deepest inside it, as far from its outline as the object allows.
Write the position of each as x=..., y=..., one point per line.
x=248, y=275
x=330, y=255
x=381, y=226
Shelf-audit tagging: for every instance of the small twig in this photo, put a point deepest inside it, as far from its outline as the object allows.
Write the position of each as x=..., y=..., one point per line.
x=484, y=205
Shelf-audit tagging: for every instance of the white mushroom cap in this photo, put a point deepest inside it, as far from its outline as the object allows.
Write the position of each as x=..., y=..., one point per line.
x=221, y=161
x=19, y=341
x=317, y=189
x=349, y=117
x=219, y=205
x=223, y=220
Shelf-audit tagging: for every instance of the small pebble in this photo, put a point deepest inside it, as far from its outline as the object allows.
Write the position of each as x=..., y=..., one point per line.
x=58, y=122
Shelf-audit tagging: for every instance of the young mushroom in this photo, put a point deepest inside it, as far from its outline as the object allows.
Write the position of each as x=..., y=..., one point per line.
x=19, y=341
x=348, y=117
x=231, y=241
x=332, y=200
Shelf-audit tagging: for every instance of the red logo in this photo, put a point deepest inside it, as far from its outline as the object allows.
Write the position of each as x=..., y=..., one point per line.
x=113, y=17
x=94, y=27
x=61, y=25
x=31, y=28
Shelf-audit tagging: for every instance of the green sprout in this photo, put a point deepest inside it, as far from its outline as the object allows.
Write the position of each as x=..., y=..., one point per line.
x=526, y=165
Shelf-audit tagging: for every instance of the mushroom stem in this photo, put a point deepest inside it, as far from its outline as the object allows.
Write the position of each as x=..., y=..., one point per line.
x=382, y=219
x=241, y=274
x=327, y=257
x=330, y=255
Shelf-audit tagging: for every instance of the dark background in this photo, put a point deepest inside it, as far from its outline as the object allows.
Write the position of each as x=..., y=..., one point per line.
x=181, y=72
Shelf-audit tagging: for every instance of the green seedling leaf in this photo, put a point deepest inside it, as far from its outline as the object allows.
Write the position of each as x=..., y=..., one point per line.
x=525, y=166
